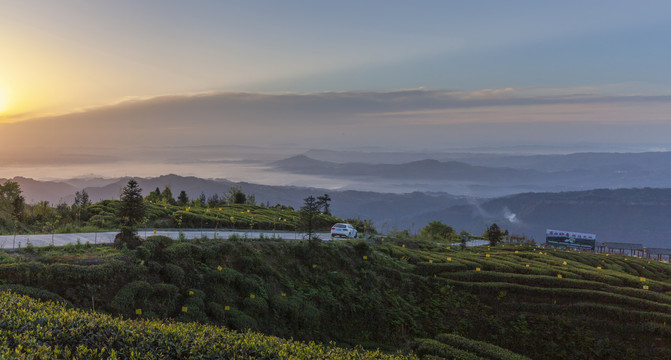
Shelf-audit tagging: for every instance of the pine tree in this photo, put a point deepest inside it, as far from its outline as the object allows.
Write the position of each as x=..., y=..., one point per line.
x=308, y=215
x=131, y=212
x=324, y=203
x=166, y=195
x=183, y=198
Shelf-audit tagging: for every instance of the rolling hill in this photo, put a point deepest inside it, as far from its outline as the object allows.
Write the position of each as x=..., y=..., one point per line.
x=436, y=300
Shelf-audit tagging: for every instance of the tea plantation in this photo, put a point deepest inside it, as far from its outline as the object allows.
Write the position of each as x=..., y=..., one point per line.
x=425, y=299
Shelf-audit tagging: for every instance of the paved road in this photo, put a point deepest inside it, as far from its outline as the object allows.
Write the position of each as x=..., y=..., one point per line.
x=11, y=241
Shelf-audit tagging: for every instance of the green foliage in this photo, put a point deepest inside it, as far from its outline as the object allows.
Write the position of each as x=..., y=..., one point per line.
x=436, y=230
x=378, y=293
x=36, y=330
x=494, y=234
x=429, y=347
x=308, y=215
x=12, y=206
x=479, y=348
x=131, y=212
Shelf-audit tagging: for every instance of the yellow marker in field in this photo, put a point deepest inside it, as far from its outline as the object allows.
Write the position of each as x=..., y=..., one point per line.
x=477, y=269
x=227, y=308
x=430, y=261
x=486, y=255
x=564, y=263
x=598, y=267
x=314, y=266
x=517, y=252
x=403, y=245
x=220, y=268
x=448, y=248
x=252, y=296
x=365, y=257
x=190, y=293
x=449, y=259
x=284, y=294
x=643, y=279
x=646, y=287
x=138, y=311
x=154, y=232
x=559, y=276
x=185, y=309
x=527, y=265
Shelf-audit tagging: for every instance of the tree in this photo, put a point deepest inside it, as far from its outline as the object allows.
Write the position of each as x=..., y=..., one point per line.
x=307, y=216
x=154, y=196
x=324, y=203
x=464, y=238
x=201, y=201
x=182, y=199
x=236, y=196
x=494, y=234
x=167, y=196
x=131, y=212
x=436, y=230
x=80, y=205
x=251, y=200
x=12, y=204
x=213, y=200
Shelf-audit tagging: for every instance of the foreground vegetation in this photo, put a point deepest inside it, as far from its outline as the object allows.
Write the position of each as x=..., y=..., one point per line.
x=438, y=300
x=32, y=329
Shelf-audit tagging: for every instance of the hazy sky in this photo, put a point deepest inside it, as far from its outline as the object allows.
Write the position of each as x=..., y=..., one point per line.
x=115, y=76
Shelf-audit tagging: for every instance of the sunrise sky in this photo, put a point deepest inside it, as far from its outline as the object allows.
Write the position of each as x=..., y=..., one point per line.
x=93, y=82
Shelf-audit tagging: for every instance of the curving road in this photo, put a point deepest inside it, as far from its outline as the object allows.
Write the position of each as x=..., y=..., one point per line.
x=19, y=241
x=12, y=241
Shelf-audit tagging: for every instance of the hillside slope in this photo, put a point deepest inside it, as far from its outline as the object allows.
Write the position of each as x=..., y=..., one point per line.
x=33, y=329
x=623, y=215
x=399, y=294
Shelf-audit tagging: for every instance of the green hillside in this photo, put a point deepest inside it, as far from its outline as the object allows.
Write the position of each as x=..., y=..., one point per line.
x=33, y=329
x=439, y=301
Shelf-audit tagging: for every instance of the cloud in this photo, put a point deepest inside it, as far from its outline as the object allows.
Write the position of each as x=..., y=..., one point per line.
x=409, y=118
x=510, y=216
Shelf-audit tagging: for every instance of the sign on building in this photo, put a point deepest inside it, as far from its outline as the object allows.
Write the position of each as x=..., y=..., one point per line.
x=570, y=239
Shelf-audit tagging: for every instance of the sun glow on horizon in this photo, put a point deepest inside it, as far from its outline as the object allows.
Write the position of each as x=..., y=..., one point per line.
x=4, y=101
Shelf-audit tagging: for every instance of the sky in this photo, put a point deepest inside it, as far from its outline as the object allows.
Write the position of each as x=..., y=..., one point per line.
x=93, y=83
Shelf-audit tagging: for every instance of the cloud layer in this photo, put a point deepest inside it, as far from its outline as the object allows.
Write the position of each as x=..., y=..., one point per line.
x=397, y=120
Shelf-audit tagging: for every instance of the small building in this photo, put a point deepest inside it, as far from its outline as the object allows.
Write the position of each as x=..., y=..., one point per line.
x=658, y=254
x=621, y=248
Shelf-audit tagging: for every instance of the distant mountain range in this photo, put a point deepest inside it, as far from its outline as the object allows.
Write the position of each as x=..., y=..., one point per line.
x=491, y=175
x=626, y=215
x=427, y=169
